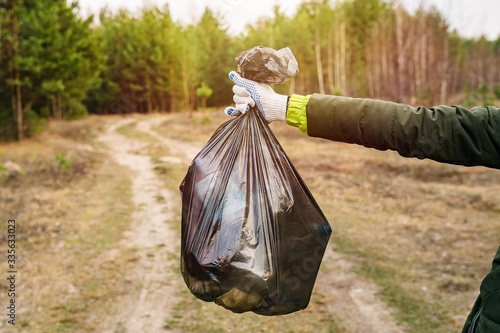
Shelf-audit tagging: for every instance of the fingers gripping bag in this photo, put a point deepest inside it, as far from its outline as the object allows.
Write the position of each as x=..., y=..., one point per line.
x=253, y=237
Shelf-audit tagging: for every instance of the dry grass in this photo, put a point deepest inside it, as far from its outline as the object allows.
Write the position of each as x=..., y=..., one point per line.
x=425, y=232
x=198, y=128
x=70, y=203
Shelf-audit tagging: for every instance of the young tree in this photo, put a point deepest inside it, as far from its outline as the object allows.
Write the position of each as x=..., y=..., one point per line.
x=204, y=92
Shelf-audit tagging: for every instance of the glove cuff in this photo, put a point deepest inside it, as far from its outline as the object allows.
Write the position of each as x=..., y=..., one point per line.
x=276, y=108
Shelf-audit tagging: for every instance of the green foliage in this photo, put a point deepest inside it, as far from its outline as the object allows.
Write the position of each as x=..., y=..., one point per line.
x=3, y=171
x=146, y=62
x=215, y=57
x=483, y=89
x=204, y=91
x=496, y=92
x=63, y=162
x=157, y=64
x=337, y=90
x=206, y=120
x=60, y=55
x=37, y=121
x=483, y=96
x=56, y=55
x=7, y=125
x=76, y=109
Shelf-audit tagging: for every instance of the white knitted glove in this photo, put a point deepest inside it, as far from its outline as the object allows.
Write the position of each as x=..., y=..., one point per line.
x=250, y=93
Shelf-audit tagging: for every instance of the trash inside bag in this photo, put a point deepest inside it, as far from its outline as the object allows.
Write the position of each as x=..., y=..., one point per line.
x=253, y=237
x=265, y=65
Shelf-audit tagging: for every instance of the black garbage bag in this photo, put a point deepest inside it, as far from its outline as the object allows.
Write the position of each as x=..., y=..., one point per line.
x=253, y=236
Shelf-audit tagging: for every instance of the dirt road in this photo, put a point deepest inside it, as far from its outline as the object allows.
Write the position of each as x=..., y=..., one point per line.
x=155, y=275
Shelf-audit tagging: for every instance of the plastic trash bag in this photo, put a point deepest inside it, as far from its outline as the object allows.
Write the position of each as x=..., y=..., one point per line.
x=253, y=236
x=265, y=65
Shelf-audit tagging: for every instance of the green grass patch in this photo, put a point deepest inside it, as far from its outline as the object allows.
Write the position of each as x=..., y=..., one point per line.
x=420, y=314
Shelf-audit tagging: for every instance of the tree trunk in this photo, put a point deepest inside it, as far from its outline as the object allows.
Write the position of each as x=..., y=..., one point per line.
x=163, y=101
x=59, y=106
x=391, y=60
x=185, y=85
x=292, y=86
x=411, y=39
x=1, y=22
x=444, y=81
x=16, y=98
x=331, y=83
x=28, y=105
x=337, y=57
x=148, y=94
x=423, y=59
x=192, y=100
x=173, y=101
x=19, y=107
x=10, y=68
x=401, y=56
x=385, y=75
x=343, y=76
x=318, y=63
x=370, y=70
x=301, y=79
x=54, y=107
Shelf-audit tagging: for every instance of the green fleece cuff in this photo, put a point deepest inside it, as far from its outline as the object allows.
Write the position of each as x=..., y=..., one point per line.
x=296, y=113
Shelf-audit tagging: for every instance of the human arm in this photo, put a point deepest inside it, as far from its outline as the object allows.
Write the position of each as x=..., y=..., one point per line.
x=453, y=134
x=449, y=134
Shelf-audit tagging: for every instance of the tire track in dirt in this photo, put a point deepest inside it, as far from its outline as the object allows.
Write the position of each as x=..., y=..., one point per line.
x=154, y=276
x=351, y=299
x=179, y=151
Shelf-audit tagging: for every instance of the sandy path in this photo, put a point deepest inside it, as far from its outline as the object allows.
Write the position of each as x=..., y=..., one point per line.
x=155, y=271
x=346, y=296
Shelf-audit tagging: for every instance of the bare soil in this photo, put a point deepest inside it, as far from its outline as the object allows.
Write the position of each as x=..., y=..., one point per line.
x=155, y=272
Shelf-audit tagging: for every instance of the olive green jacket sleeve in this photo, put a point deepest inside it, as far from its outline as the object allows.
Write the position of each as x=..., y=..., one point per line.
x=453, y=134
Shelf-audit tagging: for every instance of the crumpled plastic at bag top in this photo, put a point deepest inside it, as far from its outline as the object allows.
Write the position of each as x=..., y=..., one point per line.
x=266, y=65
x=253, y=237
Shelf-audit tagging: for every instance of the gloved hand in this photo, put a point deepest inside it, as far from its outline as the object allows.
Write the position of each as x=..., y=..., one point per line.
x=250, y=93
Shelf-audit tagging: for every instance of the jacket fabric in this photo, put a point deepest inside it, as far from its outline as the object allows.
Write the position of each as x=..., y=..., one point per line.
x=452, y=134
x=485, y=314
x=446, y=134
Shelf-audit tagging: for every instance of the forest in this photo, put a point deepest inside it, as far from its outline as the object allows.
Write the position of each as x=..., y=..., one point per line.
x=54, y=63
